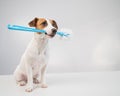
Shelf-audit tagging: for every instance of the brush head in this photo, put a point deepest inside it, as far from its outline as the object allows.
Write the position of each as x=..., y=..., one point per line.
x=67, y=34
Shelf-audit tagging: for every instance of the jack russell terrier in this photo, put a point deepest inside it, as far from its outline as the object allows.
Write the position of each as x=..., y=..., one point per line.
x=33, y=63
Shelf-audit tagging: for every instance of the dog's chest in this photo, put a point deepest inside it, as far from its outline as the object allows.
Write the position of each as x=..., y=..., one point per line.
x=39, y=61
x=40, y=56
x=37, y=53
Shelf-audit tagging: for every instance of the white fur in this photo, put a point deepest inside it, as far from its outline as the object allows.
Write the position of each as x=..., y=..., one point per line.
x=49, y=27
x=34, y=61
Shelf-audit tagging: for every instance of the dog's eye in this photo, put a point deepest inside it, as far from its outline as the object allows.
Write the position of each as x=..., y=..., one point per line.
x=44, y=23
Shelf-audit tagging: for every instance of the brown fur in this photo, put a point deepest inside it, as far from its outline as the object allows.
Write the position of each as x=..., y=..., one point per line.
x=37, y=23
x=33, y=22
x=54, y=23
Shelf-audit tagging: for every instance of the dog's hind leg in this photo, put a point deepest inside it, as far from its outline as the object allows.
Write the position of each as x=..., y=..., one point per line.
x=21, y=79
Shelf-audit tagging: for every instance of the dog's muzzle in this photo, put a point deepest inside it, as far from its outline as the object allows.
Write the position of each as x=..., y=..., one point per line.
x=53, y=32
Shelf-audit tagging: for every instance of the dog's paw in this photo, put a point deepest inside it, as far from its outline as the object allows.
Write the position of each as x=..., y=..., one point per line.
x=36, y=81
x=44, y=85
x=29, y=89
x=21, y=83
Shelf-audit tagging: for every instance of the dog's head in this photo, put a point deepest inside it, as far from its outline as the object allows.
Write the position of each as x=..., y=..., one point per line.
x=50, y=26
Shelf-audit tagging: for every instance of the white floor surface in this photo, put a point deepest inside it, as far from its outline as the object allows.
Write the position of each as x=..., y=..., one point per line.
x=68, y=84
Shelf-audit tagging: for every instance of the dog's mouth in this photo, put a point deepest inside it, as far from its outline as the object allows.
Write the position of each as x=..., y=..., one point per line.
x=50, y=35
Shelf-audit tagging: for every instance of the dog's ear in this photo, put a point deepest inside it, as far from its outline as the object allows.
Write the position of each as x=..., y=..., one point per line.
x=33, y=22
x=54, y=24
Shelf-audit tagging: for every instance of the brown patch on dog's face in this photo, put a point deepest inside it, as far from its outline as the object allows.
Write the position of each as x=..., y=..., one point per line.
x=41, y=23
x=54, y=24
x=38, y=23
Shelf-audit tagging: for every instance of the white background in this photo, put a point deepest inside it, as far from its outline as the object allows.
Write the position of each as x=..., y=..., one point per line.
x=95, y=45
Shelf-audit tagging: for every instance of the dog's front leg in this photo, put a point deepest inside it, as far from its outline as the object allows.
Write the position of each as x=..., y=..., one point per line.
x=43, y=78
x=29, y=78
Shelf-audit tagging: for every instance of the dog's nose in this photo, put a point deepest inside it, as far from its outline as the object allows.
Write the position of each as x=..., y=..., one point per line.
x=54, y=30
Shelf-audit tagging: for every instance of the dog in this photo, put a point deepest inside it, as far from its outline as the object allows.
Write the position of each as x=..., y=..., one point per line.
x=32, y=67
